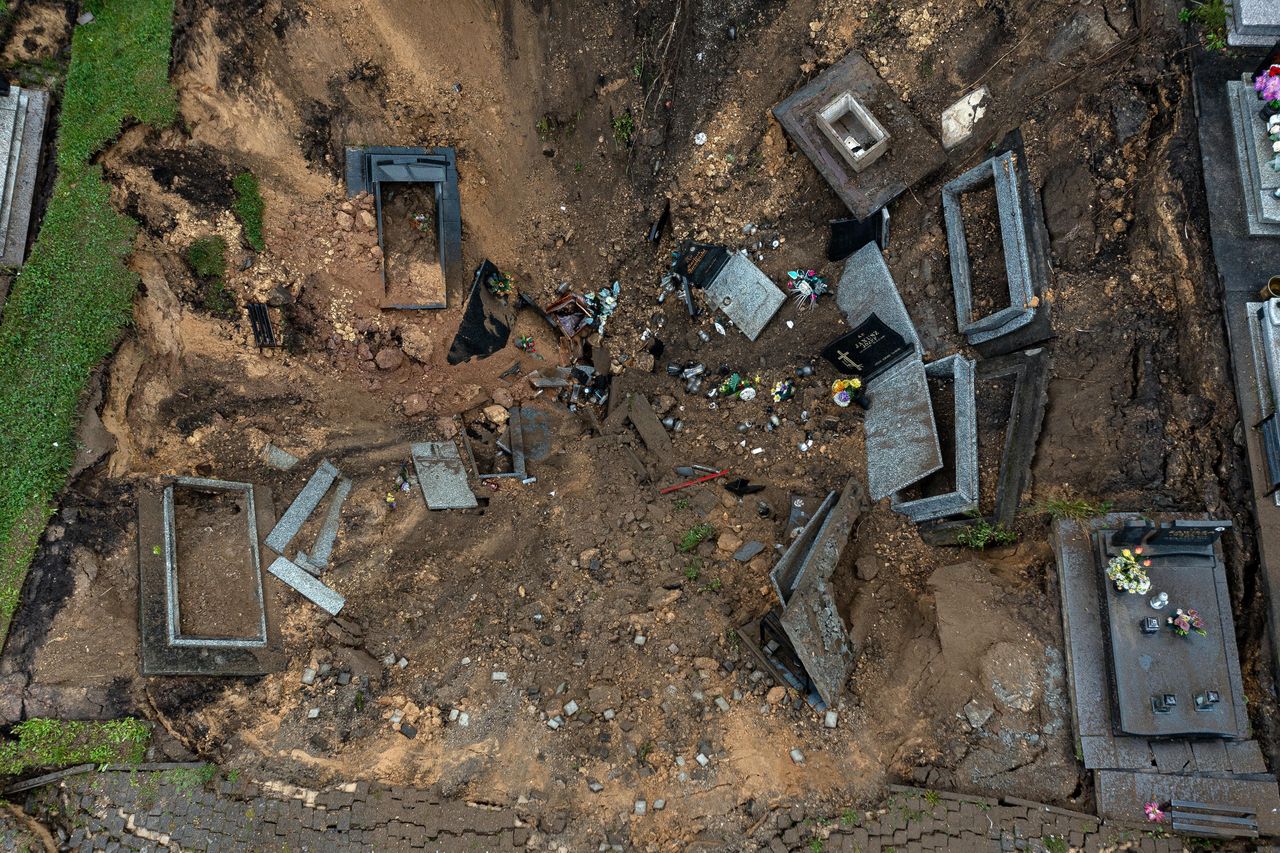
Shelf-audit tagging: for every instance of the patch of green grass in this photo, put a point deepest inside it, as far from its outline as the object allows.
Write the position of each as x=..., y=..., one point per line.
x=248, y=209
x=546, y=128
x=75, y=293
x=1211, y=16
x=680, y=503
x=932, y=798
x=1076, y=509
x=208, y=257
x=849, y=817
x=983, y=534
x=695, y=536
x=623, y=127
x=693, y=569
x=1055, y=844
x=188, y=779
x=41, y=743
x=816, y=845
x=713, y=586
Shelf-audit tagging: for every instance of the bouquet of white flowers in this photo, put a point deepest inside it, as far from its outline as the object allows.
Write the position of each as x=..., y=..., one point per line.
x=1126, y=573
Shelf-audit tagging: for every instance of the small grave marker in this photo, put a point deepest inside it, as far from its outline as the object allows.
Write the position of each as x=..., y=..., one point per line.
x=869, y=350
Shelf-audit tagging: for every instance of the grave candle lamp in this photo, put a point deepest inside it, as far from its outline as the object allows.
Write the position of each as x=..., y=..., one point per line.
x=855, y=133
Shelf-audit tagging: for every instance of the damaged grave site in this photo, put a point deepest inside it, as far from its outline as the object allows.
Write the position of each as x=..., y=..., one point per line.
x=840, y=425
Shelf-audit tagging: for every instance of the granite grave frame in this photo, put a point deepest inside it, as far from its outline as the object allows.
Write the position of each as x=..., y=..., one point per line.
x=158, y=656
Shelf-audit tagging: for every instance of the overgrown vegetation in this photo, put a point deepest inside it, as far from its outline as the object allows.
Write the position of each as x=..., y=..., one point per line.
x=188, y=779
x=39, y=744
x=695, y=536
x=1055, y=844
x=248, y=209
x=983, y=534
x=1076, y=509
x=693, y=569
x=1211, y=17
x=207, y=258
x=623, y=128
x=70, y=300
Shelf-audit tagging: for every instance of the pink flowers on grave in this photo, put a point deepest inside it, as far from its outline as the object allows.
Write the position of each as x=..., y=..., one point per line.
x=1183, y=622
x=1155, y=814
x=1267, y=84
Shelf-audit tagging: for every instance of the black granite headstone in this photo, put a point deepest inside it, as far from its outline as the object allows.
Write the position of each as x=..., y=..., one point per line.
x=1131, y=535
x=700, y=262
x=869, y=350
x=1187, y=535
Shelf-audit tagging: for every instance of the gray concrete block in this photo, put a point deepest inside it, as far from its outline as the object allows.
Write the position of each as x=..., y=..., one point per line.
x=1002, y=172
x=302, y=507
x=324, y=597
x=329, y=529
x=20, y=194
x=1253, y=23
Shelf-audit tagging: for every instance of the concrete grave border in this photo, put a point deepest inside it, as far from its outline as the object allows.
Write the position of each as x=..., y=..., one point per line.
x=157, y=655
x=1002, y=172
x=172, y=604
x=1261, y=214
x=965, y=495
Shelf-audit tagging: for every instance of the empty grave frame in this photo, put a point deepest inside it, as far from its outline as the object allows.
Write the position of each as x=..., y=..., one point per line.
x=251, y=563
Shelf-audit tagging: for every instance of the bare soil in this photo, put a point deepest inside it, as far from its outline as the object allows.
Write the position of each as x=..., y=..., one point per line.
x=217, y=576
x=552, y=582
x=989, y=280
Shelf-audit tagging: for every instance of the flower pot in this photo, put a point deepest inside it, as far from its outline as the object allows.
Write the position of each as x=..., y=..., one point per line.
x=1271, y=290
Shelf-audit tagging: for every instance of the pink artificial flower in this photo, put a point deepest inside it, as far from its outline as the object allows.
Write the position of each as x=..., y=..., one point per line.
x=1154, y=812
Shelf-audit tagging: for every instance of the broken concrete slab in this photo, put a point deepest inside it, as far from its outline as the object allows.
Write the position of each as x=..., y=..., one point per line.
x=651, y=430
x=745, y=294
x=442, y=476
x=324, y=597
x=1030, y=369
x=963, y=497
x=784, y=573
x=959, y=119
x=999, y=171
x=302, y=507
x=811, y=617
x=910, y=155
x=275, y=457
x=323, y=546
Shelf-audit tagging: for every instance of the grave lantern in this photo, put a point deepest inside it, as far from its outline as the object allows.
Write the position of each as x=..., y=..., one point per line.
x=853, y=130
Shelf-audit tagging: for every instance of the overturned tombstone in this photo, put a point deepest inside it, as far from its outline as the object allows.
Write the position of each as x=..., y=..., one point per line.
x=859, y=135
x=204, y=608
x=1264, y=335
x=442, y=475
x=378, y=171
x=953, y=489
x=997, y=253
x=732, y=283
x=804, y=642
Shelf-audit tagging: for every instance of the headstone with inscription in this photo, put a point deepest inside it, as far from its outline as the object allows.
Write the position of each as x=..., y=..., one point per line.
x=869, y=350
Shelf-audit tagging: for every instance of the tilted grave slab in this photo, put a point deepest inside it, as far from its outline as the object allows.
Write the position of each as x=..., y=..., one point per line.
x=1001, y=172
x=745, y=294
x=1253, y=153
x=902, y=435
x=963, y=497
x=909, y=152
